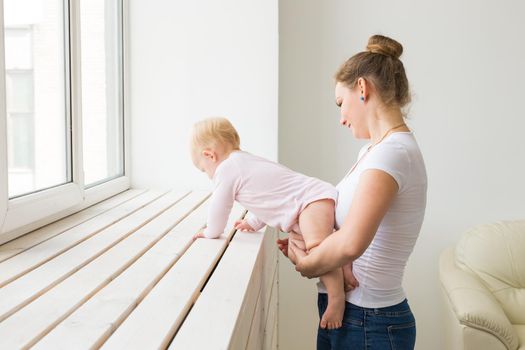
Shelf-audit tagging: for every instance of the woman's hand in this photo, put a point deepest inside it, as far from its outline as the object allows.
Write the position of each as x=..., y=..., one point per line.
x=298, y=241
x=349, y=278
x=300, y=257
x=283, y=246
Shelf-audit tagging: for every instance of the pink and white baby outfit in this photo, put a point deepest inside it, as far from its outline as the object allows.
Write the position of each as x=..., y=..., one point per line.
x=272, y=193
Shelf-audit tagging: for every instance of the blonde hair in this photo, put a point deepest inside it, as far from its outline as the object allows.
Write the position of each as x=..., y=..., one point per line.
x=379, y=65
x=214, y=133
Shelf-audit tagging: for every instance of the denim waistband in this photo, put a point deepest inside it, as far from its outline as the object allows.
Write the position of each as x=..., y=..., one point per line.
x=396, y=309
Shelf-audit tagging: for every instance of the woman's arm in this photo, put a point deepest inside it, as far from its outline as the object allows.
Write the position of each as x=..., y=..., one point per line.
x=372, y=198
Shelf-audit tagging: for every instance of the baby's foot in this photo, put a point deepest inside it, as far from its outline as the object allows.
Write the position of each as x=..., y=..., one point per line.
x=333, y=315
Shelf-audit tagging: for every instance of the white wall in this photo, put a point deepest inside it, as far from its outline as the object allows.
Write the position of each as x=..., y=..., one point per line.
x=465, y=64
x=195, y=59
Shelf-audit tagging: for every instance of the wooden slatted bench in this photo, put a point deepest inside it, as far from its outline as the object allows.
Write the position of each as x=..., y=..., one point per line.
x=126, y=274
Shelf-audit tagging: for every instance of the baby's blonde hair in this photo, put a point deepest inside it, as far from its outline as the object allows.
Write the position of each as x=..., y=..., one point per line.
x=214, y=133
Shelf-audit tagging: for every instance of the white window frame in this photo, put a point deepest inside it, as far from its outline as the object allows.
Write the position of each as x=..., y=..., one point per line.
x=26, y=213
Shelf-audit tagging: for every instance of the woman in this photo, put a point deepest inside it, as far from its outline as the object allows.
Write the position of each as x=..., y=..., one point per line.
x=380, y=208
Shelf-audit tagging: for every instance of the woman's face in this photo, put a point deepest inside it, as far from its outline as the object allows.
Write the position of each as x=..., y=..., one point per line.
x=352, y=110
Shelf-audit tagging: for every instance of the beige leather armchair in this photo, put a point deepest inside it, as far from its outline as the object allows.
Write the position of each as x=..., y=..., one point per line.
x=483, y=280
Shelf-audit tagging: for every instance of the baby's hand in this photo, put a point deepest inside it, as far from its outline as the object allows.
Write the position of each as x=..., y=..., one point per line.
x=242, y=225
x=200, y=234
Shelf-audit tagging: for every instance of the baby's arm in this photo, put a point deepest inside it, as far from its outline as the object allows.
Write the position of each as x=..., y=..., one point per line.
x=243, y=226
x=221, y=203
x=251, y=223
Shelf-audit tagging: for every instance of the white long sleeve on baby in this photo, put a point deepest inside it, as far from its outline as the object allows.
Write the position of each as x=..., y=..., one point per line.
x=274, y=194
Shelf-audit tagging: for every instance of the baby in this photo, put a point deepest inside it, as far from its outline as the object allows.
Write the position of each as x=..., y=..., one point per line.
x=273, y=194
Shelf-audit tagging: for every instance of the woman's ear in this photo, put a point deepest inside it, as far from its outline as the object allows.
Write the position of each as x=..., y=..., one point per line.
x=363, y=87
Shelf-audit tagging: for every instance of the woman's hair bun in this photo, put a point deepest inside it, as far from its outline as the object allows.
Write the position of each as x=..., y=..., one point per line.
x=385, y=46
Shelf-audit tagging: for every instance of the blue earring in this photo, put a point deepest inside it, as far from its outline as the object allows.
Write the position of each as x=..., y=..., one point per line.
x=362, y=98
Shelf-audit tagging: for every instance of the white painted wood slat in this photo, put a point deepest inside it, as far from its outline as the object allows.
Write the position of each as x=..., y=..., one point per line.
x=217, y=318
x=27, y=326
x=33, y=238
x=30, y=286
x=93, y=322
x=262, y=310
x=271, y=317
x=126, y=274
x=260, y=286
x=154, y=322
x=39, y=254
x=275, y=333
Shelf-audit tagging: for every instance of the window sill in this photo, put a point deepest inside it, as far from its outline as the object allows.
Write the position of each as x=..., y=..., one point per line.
x=36, y=210
x=125, y=273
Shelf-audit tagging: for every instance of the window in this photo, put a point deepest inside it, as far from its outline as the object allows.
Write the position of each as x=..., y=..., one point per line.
x=101, y=90
x=35, y=96
x=61, y=62
x=19, y=89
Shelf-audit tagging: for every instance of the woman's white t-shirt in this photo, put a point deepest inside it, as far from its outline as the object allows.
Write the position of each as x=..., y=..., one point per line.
x=380, y=269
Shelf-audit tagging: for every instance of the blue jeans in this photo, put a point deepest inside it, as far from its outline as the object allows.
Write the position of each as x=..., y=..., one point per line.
x=392, y=327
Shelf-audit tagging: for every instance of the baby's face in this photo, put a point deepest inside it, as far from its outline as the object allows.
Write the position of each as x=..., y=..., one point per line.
x=204, y=162
x=195, y=159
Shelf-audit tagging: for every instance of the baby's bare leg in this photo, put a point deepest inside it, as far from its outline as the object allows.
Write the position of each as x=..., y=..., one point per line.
x=316, y=223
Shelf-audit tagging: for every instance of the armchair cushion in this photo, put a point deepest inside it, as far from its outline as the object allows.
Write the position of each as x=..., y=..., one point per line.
x=473, y=303
x=495, y=254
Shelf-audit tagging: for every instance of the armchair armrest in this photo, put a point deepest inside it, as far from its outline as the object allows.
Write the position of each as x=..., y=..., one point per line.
x=473, y=304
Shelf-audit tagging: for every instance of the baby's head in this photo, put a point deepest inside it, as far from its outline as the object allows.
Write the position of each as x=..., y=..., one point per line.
x=212, y=141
